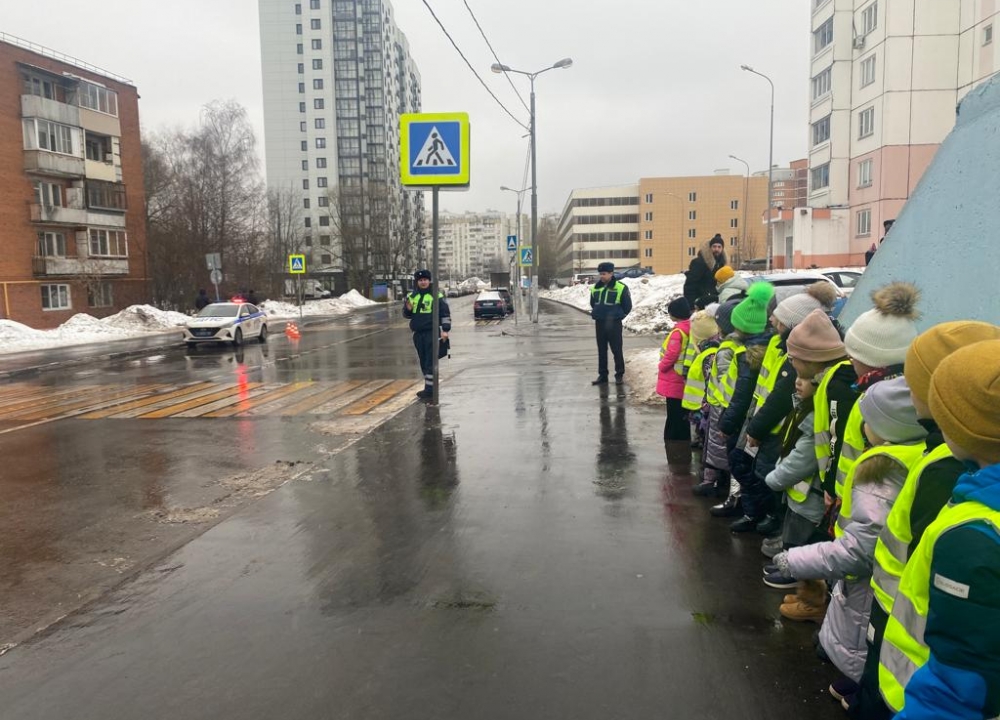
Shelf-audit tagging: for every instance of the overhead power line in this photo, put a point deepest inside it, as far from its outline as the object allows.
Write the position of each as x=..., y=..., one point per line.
x=495, y=57
x=459, y=51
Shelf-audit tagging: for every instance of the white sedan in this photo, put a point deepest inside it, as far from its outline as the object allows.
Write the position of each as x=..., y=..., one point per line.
x=231, y=322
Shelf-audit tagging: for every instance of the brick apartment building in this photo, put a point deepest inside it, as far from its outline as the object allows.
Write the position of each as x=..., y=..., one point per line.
x=72, y=204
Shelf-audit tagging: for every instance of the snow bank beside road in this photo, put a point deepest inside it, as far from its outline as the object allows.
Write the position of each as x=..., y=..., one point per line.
x=346, y=303
x=650, y=295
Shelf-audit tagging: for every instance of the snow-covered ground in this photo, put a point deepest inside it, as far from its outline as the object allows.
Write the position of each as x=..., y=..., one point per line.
x=139, y=320
x=640, y=375
x=650, y=295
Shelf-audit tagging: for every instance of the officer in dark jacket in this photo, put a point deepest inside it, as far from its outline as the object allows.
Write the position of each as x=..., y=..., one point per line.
x=419, y=308
x=610, y=302
x=202, y=299
x=699, y=282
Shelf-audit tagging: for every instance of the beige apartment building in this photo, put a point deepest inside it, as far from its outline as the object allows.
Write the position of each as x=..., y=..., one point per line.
x=677, y=215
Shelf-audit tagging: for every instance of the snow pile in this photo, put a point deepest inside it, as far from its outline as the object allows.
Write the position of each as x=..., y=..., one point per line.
x=650, y=296
x=356, y=299
x=346, y=303
x=146, y=317
x=134, y=321
x=14, y=333
x=472, y=285
x=84, y=324
x=641, y=370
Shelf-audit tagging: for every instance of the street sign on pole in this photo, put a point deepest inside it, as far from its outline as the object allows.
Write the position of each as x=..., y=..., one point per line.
x=213, y=261
x=297, y=264
x=527, y=257
x=434, y=150
x=215, y=276
x=512, y=243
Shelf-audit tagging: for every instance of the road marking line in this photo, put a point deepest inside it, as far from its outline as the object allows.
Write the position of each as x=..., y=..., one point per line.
x=92, y=393
x=174, y=409
x=227, y=402
x=335, y=406
x=260, y=399
x=367, y=404
x=121, y=411
x=319, y=397
x=61, y=409
x=39, y=394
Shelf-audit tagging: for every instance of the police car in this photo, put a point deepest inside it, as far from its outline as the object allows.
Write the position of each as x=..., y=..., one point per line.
x=228, y=322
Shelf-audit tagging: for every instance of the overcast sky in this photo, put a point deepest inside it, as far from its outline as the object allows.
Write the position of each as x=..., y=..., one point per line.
x=655, y=88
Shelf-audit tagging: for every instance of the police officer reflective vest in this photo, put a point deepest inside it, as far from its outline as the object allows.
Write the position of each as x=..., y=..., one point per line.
x=893, y=547
x=422, y=303
x=688, y=351
x=905, y=455
x=825, y=419
x=695, y=386
x=602, y=294
x=904, y=650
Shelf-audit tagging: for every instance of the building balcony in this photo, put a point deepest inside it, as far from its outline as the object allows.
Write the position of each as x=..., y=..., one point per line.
x=33, y=106
x=54, y=215
x=42, y=161
x=75, y=266
x=102, y=170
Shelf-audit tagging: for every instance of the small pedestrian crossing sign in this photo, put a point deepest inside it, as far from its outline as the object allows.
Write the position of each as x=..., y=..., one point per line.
x=527, y=257
x=297, y=264
x=434, y=149
x=512, y=243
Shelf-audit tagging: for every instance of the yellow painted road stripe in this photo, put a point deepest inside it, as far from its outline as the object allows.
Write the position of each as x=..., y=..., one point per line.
x=372, y=401
x=92, y=393
x=319, y=397
x=343, y=401
x=136, y=404
x=34, y=397
x=197, y=402
x=90, y=402
x=246, y=395
x=20, y=390
x=262, y=399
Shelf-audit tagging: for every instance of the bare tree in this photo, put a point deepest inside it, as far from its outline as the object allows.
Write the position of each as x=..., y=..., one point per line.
x=747, y=248
x=368, y=246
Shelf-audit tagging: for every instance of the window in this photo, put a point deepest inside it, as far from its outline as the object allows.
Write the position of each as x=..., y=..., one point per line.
x=324, y=220
x=308, y=223
x=308, y=240
x=305, y=184
x=823, y=36
x=48, y=194
x=51, y=244
x=323, y=201
x=866, y=122
x=820, y=177
x=298, y=28
x=864, y=223
x=319, y=123
x=988, y=34
x=734, y=223
x=734, y=204
x=298, y=49
x=821, y=84
x=305, y=164
x=320, y=143
x=317, y=44
x=321, y=182
x=692, y=197
x=42, y=87
x=52, y=137
x=304, y=145
x=305, y=203
x=868, y=71
x=692, y=233
x=298, y=8
x=302, y=107
x=108, y=243
x=691, y=251
x=648, y=235
x=55, y=297
x=318, y=84
x=100, y=295
x=649, y=197
x=649, y=217
x=732, y=241
x=314, y=24
x=98, y=98
x=314, y=4
x=302, y=126
x=821, y=131
x=325, y=259
x=318, y=103
x=103, y=195
x=302, y=68
x=317, y=64
x=869, y=18
x=692, y=214
x=321, y=162
x=648, y=252
x=865, y=173
x=324, y=240
x=302, y=87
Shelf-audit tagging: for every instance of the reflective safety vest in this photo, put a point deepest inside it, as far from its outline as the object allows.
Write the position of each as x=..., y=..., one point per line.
x=893, y=547
x=719, y=393
x=800, y=491
x=853, y=447
x=825, y=420
x=904, y=650
x=728, y=381
x=687, y=354
x=602, y=293
x=422, y=303
x=906, y=455
x=770, y=369
x=694, y=386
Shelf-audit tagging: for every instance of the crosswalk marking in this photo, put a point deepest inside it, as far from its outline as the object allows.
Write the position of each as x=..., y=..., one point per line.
x=40, y=414
x=372, y=401
x=98, y=414
x=270, y=394
x=318, y=398
x=227, y=391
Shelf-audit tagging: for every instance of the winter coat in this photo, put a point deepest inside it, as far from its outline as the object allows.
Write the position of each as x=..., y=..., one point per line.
x=849, y=559
x=841, y=396
x=733, y=287
x=422, y=321
x=611, y=310
x=772, y=414
x=716, y=452
x=669, y=383
x=749, y=364
x=700, y=275
x=800, y=464
x=961, y=680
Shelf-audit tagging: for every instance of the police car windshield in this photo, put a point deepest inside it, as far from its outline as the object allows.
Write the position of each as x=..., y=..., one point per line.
x=219, y=310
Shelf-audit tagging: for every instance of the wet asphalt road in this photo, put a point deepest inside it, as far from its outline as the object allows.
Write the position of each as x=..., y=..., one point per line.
x=521, y=551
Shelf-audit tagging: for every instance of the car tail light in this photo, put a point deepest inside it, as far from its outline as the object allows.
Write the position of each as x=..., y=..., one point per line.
x=477, y=304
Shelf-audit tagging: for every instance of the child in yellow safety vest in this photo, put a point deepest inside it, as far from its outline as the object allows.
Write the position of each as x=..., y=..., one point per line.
x=705, y=338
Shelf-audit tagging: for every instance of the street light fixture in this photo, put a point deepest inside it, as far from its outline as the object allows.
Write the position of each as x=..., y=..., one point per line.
x=500, y=68
x=746, y=194
x=770, y=169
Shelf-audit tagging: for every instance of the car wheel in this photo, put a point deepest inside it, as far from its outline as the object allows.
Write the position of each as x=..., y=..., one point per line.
x=237, y=338
x=263, y=334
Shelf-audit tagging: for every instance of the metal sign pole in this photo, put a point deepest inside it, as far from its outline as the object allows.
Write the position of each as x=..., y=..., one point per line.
x=436, y=312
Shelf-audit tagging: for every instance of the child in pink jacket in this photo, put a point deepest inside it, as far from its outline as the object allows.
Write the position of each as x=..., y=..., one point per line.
x=675, y=357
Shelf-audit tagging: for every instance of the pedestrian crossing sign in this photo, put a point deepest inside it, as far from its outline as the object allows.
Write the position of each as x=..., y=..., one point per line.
x=297, y=264
x=434, y=149
x=527, y=257
x=512, y=243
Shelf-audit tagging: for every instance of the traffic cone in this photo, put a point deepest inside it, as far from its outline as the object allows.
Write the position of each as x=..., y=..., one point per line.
x=292, y=331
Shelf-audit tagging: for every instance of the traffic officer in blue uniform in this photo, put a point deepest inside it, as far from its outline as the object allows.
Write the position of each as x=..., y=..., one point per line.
x=610, y=302
x=418, y=307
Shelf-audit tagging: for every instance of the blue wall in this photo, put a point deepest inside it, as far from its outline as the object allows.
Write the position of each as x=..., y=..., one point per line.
x=947, y=238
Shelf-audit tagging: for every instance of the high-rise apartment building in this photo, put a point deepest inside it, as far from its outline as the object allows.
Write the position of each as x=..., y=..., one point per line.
x=72, y=205
x=886, y=77
x=475, y=244
x=337, y=74
x=598, y=225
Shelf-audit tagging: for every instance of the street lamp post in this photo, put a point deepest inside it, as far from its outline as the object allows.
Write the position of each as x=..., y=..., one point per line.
x=770, y=170
x=746, y=194
x=520, y=195
x=532, y=275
